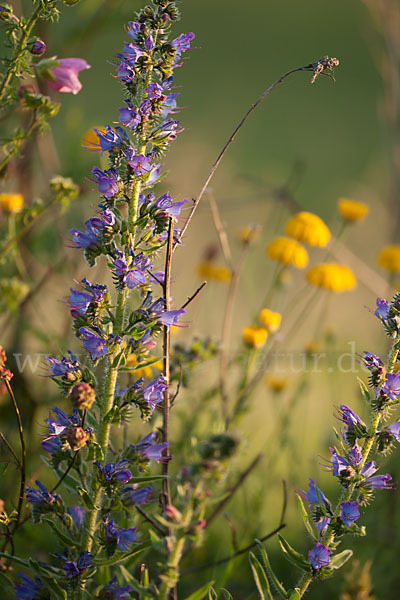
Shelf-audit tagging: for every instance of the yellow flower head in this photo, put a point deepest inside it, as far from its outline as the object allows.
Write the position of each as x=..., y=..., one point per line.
x=308, y=228
x=351, y=210
x=271, y=320
x=11, y=202
x=389, y=258
x=254, y=336
x=288, y=251
x=146, y=371
x=248, y=233
x=209, y=270
x=334, y=277
x=277, y=384
x=90, y=140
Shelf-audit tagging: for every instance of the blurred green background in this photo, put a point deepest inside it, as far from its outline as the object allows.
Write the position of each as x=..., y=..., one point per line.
x=341, y=134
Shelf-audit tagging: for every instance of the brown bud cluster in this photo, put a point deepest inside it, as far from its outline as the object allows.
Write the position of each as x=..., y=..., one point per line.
x=82, y=396
x=76, y=438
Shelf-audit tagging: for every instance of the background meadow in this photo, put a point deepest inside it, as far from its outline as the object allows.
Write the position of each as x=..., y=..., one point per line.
x=304, y=147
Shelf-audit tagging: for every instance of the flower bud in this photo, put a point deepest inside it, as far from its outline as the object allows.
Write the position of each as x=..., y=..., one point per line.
x=6, y=13
x=38, y=47
x=82, y=396
x=76, y=438
x=3, y=357
x=6, y=374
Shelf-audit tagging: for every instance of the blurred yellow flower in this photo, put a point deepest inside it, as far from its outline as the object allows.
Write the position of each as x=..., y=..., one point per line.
x=334, y=277
x=145, y=372
x=209, y=270
x=90, y=140
x=276, y=384
x=248, y=233
x=288, y=251
x=308, y=228
x=11, y=202
x=352, y=210
x=312, y=346
x=271, y=320
x=389, y=258
x=254, y=336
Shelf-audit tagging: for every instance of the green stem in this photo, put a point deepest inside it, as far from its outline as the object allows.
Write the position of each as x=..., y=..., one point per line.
x=15, y=63
x=17, y=143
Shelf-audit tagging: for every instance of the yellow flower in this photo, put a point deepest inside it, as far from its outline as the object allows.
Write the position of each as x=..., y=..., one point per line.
x=334, y=277
x=209, y=270
x=389, y=258
x=308, y=228
x=271, y=320
x=90, y=140
x=248, y=233
x=288, y=251
x=351, y=210
x=145, y=372
x=254, y=336
x=11, y=202
x=277, y=384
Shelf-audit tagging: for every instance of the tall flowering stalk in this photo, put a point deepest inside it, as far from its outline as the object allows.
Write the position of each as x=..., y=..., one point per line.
x=350, y=462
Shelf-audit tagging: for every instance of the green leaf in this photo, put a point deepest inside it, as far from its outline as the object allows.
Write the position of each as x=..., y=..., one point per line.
x=340, y=559
x=65, y=539
x=295, y=595
x=226, y=594
x=95, y=451
x=147, y=478
x=113, y=416
x=201, y=592
x=364, y=391
x=260, y=578
x=212, y=594
x=120, y=557
x=86, y=498
x=305, y=517
x=292, y=555
x=118, y=359
x=4, y=580
x=274, y=580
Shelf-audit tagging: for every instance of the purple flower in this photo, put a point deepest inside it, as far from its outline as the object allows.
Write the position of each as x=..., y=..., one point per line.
x=312, y=493
x=355, y=455
x=380, y=482
x=347, y=416
x=62, y=422
x=94, y=344
x=349, y=513
x=140, y=165
x=76, y=568
x=122, y=537
x=107, y=181
x=38, y=47
x=29, y=589
x=78, y=303
x=41, y=496
x=169, y=105
x=319, y=556
x=372, y=361
x=108, y=139
x=113, y=592
x=167, y=207
x=147, y=448
x=133, y=29
x=167, y=318
x=115, y=472
x=149, y=43
x=132, y=495
x=145, y=108
x=78, y=515
x=391, y=386
x=153, y=392
x=133, y=278
x=382, y=310
x=154, y=91
x=181, y=44
x=394, y=429
x=131, y=53
x=125, y=72
x=129, y=116
x=65, y=366
x=65, y=75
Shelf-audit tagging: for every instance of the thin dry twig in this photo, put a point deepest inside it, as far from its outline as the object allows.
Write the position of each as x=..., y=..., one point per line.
x=242, y=477
x=193, y=296
x=318, y=67
x=220, y=229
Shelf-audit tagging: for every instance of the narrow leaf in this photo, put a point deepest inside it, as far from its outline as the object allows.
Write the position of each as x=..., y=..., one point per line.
x=305, y=517
x=340, y=559
x=364, y=391
x=292, y=555
x=118, y=557
x=201, y=592
x=86, y=498
x=226, y=594
x=260, y=578
x=65, y=539
x=295, y=595
x=274, y=580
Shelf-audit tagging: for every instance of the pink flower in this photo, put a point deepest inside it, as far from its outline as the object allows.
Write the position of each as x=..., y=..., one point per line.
x=66, y=75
